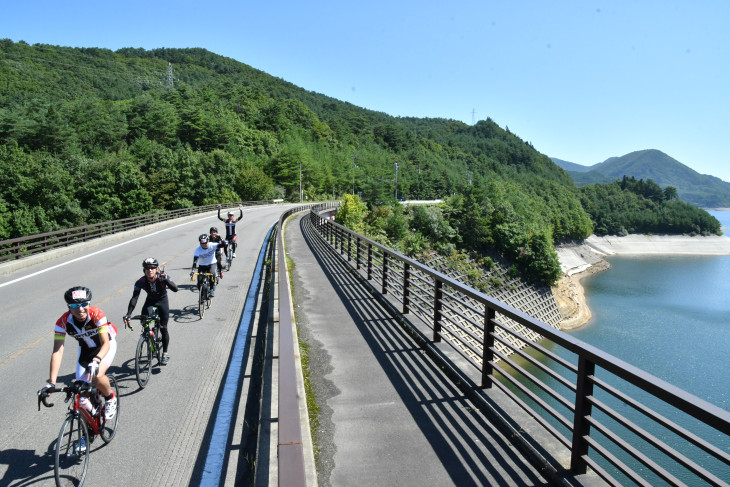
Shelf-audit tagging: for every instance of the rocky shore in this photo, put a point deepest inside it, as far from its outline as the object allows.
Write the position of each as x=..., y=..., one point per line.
x=581, y=259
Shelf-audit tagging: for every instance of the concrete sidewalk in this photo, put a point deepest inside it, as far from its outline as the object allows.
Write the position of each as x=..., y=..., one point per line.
x=388, y=414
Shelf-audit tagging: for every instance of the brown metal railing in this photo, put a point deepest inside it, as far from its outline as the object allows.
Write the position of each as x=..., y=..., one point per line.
x=622, y=422
x=17, y=248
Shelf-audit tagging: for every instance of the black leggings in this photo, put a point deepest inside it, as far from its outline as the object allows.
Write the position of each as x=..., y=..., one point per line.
x=163, y=311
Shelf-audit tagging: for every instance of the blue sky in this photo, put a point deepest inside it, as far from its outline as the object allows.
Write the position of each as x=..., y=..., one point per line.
x=581, y=80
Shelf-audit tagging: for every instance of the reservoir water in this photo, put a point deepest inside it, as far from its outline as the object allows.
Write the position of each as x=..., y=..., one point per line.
x=668, y=315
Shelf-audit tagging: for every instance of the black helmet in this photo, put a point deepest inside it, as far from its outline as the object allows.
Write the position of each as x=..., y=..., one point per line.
x=213, y=229
x=203, y=238
x=150, y=263
x=78, y=294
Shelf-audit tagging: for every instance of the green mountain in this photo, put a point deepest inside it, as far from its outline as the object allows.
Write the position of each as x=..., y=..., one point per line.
x=700, y=190
x=89, y=135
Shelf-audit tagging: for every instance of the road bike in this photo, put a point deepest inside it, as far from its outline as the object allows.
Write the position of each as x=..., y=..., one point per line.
x=79, y=429
x=149, y=345
x=231, y=250
x=204, y=289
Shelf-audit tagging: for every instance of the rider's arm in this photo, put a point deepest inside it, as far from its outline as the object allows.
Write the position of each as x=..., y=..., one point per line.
x=133, y=301
x=56, y=358
x=105, y=344
x=219, y=215
x=195, y=264
x=171, y=285
x=240, y=213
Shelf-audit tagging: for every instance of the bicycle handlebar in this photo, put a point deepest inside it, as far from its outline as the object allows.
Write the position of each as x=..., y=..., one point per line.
x=199, y=274
x=78, y=387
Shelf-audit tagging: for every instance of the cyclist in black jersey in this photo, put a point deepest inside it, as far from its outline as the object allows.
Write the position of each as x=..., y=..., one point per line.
x=155, y=284
x=220, y=251
x=230, y=224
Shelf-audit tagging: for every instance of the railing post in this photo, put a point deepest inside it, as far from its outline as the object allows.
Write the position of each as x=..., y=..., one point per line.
x=385, y=273
x=487, y=346
x=370, y=261
x=437, y=297
x=406, y=286
x=583, y=407
x=349, y=246
x=357, y=253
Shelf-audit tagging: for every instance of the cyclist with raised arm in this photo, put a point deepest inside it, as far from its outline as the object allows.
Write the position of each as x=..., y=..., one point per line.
x=230, y=224
x=155, y=283
x=222, y=249
x=97, y=345
x=205, y=253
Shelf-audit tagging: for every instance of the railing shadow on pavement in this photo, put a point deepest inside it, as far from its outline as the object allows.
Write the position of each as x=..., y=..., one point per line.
x=612, y=418
x=470, y=448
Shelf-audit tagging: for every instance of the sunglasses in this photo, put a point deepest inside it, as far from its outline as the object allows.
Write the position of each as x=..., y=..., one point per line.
x=78, y=305
x=149, y=268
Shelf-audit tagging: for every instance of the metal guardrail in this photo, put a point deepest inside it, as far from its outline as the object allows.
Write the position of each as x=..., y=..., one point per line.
x=17, y=248
x=622, y=422
x=290, y=450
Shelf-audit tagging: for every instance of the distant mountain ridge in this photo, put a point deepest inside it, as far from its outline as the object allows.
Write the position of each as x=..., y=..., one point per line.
x=697, y=189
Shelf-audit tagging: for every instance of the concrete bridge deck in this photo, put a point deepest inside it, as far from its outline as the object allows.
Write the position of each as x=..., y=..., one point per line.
x=389, y=414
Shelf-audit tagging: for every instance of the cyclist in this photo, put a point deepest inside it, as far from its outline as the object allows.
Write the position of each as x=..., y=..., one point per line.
x=206, y=253
x=155, y=283
x=97, y=345
x=230, y=223
x=222, y=248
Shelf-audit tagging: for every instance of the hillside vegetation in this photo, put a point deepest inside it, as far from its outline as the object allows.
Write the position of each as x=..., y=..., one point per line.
x=88, y=135
x=697, y=189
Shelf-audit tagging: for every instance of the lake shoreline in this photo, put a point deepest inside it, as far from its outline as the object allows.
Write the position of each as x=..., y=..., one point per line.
x=586, y=258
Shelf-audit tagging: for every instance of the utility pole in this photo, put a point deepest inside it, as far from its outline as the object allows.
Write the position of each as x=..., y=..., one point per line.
x=354, y=166
x=300, y=181
x=396, y=181
x=169, y=78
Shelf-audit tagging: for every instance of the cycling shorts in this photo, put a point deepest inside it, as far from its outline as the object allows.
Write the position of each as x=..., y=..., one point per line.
x=81, y=370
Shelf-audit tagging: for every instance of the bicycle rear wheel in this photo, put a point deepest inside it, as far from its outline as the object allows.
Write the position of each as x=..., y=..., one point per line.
x=202, y=297
x=72, y=452
x=109, y=427
x=143, y=361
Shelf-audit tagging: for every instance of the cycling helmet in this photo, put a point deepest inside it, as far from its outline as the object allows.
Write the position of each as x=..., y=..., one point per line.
x=150, y=263
x=78, y=294
x=203, y=238
x=230, y=213
x=213, y=229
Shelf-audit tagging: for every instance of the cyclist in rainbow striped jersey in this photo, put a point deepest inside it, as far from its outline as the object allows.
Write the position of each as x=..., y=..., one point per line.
x=97, y=345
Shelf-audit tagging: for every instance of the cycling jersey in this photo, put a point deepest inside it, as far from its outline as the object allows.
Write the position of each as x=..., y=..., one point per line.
x=230, y=224
x=222, y=244
x=156, y=290
x=205, y=256
x=87, y=334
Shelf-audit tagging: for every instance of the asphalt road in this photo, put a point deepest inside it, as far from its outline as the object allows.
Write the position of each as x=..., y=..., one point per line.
x=164, y=429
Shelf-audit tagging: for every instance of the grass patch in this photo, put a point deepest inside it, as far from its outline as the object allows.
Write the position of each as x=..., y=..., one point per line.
x=311, y=398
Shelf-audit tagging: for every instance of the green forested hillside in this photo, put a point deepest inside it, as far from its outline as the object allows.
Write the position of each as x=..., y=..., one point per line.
x=88, y=135
x=697, y=189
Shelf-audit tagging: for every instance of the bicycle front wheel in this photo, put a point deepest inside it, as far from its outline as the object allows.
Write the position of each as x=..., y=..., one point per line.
x=202, y=296
x=229, y=262
x=143, y=361
x=72, y=452
x=109, y=426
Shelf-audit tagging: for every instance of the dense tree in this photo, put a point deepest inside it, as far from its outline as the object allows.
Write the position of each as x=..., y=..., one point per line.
x=90, y=134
